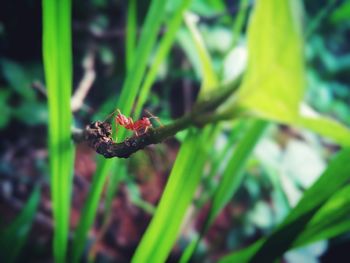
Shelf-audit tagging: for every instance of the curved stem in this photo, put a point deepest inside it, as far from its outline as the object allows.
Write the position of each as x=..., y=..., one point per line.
x=99, y=134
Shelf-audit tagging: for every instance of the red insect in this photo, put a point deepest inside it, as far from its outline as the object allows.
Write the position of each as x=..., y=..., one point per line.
x=139, y=127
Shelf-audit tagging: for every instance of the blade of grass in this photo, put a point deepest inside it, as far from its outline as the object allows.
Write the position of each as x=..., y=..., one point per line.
x=118, y=174
x=336, y=175
x=341, y=13
x=125, y=102
x=184, y=40
x=244, y=147
x=164, y=46
x=233, y=174
x=147, y=40
x=179, y=191
x=317, y=19
x=217, y=164
x=209, y=77
x=297, y=222
x=331, y=220
x=239, y=21
x=58, y=74
x=131, y=32
x=183, y=181
x=13, y=238
x=230, y=181
x=237, y=28
x=89, y=210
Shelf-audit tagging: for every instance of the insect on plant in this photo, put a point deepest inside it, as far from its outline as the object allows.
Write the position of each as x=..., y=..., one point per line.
x=140, y=126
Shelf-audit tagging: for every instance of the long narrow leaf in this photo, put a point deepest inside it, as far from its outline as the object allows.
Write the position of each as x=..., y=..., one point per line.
x=298, y=220
x=89, y=210
x=231, y=179
x=336, y=175
x=184, y=178
x=233, y=174
x=331, y=220
x=131, y=32
x=163, y=230
x=58, y=74
x=237, y=27
x=239, y=21
x=131, y=86
x=209, y=77
x=146, y=43
x=164, y=46
x=13, y=238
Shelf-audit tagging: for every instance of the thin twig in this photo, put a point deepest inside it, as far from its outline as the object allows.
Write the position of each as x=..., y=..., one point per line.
x=39, y=87
x=86, y=82
x=99, y=134
x=77, y=100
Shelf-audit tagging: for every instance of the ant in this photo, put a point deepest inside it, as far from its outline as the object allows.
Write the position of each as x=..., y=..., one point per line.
x=139, y=127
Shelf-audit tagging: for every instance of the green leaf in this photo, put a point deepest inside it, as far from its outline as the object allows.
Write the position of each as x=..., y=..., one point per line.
x=142, y=53
x=89, y=210
x=13, y=238
x=4, y=108
x=317, y=19
x=58, y=75
x=273, y=86
x=310, y=213
x=331, y=220
x=18, y=78
x=233, y=174
x=165, y=44
x=209, y=77
x=239, y=21
x=131, y=32
x=177, y=196
x=32, y=113
x=163, y=230
x=324, y=126
x=230, y=181
x=342, y=13
x=125, y=103
x=331, y=181
x=208, y=7
x=185, y=41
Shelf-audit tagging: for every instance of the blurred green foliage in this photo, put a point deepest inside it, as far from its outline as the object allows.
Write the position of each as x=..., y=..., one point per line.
x=290, y=54
x=14, y=237
x=28, y=109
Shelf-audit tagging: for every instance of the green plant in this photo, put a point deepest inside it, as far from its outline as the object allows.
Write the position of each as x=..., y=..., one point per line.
x=271, y=90
x=14, y=237
x=125, y=102
x=57, y=55
x=320, y=214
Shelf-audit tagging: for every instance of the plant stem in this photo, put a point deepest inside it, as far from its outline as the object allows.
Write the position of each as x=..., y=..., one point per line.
x=99, y=134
